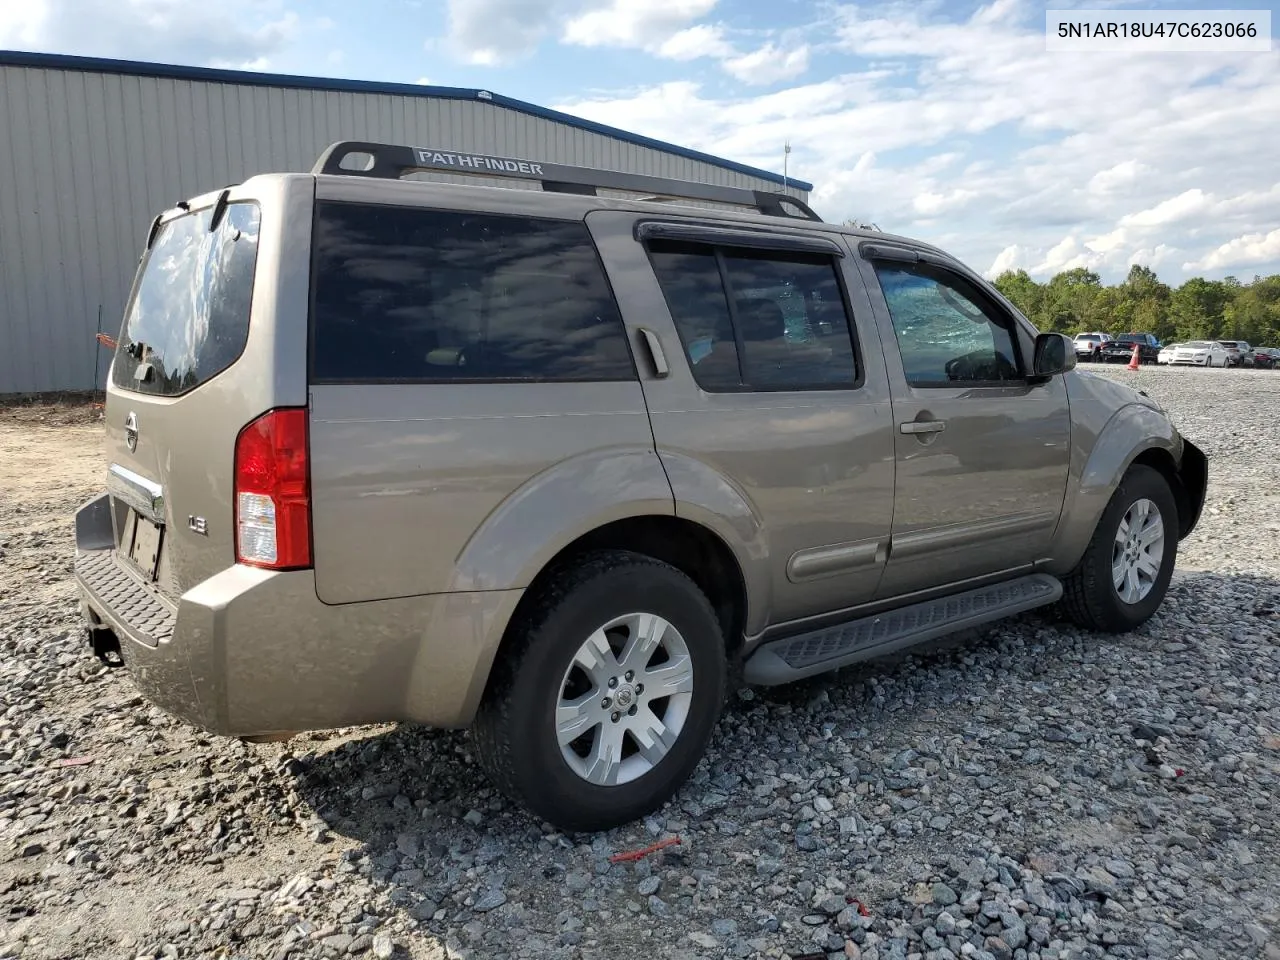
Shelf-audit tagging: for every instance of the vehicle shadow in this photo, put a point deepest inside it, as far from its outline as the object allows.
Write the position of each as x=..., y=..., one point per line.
x=453, y=855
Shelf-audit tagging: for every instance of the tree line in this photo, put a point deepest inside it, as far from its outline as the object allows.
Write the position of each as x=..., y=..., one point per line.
x=1076, y=300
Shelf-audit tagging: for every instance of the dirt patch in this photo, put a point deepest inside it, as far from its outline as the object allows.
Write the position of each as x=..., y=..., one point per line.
x=51, y=410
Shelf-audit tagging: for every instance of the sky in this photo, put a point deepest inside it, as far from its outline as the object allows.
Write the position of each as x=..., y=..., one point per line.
x=939, y=119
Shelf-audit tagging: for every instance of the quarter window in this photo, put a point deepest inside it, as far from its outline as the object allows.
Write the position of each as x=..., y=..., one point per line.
x=946, y=333
x=412, y=295
x=757, y=319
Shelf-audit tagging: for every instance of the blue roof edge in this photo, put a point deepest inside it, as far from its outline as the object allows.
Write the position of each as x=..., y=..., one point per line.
x=59, y=61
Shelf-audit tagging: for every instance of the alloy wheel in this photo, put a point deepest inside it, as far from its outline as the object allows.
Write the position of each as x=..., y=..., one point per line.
x=1138, y=551
x=624, y=699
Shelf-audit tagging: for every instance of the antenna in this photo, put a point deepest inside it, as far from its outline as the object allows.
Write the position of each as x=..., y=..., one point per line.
x=786, y=153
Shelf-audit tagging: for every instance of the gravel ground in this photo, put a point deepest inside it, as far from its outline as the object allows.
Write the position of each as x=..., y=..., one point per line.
x=1033, y=792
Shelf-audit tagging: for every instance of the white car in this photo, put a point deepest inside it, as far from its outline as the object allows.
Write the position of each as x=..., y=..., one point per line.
x=1200, y=353
x=1167, y=352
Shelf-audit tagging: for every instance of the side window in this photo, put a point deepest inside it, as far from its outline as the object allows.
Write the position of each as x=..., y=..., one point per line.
x=691, y=283
x=757, y=319
x=946, y=335
x=413, y=295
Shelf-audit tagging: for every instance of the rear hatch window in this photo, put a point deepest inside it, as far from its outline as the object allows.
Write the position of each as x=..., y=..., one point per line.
x=189, y=317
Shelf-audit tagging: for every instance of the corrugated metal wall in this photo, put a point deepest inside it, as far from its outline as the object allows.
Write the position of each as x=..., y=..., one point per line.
x=89, y=158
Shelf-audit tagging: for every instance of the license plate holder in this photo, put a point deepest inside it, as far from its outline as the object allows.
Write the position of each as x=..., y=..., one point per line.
x=143, y=539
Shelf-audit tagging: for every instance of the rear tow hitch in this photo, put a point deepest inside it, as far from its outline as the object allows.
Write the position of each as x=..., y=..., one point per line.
x=106, y=646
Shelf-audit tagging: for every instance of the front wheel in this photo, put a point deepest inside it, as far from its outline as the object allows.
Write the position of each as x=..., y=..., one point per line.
x=606, y=700
x=1124, y=574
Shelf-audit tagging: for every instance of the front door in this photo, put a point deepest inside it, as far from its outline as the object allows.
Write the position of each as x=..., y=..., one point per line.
x=981, y=449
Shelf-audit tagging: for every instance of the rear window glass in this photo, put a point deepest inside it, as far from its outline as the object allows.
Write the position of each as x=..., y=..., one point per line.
x=412, y=295
x=189, y=318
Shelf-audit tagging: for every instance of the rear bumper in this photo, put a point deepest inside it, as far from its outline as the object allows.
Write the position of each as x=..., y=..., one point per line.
x=250, y=651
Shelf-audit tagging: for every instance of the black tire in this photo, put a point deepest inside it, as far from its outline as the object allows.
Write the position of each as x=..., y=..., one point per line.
x=514, y=732
x=1090, y=598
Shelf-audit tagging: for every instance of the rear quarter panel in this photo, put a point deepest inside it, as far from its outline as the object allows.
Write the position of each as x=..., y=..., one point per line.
x=429, y=488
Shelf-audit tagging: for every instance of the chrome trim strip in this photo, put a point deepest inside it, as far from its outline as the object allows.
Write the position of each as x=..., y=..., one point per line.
x=830, y=560
x=145, y=496
x=937, y=539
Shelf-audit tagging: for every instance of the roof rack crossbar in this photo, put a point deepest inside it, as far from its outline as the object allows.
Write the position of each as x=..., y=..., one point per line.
x=390, y=162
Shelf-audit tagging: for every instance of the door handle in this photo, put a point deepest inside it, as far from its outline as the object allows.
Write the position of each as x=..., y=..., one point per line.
x=923, y=426
x=656, y=354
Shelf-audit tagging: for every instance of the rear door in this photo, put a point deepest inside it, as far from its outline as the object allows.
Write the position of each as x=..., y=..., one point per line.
x=773, y=392
x=981, y=451
x=201, y=353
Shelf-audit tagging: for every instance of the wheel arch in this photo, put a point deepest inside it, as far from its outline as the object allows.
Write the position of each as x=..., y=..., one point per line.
x=694, y=549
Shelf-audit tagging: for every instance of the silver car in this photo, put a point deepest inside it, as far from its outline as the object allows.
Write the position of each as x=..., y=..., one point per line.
x=556, y=467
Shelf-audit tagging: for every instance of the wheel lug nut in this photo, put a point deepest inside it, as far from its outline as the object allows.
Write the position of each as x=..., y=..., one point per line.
x=639, y=688
x=613, y=682
x=616, y=717
x=605, y=703
x=632, y=711
x=630, y=674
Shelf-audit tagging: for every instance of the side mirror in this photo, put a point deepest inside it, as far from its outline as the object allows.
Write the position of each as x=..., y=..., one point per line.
x=1054, y=354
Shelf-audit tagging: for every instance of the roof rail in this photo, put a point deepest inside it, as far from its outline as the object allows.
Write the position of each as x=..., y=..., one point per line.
x=359, y=158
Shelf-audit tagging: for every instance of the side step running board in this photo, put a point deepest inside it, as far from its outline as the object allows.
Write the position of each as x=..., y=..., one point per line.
x=792, y=658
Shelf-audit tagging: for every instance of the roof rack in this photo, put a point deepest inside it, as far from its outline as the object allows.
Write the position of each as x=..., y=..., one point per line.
x=357, y=158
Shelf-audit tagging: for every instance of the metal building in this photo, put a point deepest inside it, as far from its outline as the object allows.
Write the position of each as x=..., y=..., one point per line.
x=91, y=150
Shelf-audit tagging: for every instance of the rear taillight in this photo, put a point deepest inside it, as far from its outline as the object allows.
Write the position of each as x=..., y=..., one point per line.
x=273, y=491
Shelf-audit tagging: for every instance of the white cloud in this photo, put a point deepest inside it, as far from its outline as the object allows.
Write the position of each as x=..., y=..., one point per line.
x=1246, y=251
x=489, y=32
x=768, y=64
x=236, y=33
x=704, y=40
x=634, y=23
x=934, y=203
x=1184, y=205
x=1117, y=177
x=1010, y=258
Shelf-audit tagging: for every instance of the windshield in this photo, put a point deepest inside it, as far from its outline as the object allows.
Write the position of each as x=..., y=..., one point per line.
x=189, y=318
x=1197, y=345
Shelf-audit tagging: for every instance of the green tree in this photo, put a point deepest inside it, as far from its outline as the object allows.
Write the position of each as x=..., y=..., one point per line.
x=1145, y=303
x=1069, y=300
x=1196, y=309
x=1023, y=292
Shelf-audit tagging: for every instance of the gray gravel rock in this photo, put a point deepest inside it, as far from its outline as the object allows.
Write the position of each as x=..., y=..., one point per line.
x=1012, y=793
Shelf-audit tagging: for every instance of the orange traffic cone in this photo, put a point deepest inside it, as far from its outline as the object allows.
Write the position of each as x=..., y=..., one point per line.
x=1136, y=358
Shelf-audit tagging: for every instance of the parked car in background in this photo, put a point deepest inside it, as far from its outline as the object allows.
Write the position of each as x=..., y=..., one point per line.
x=1121, y=348
x=1201, y=353
x=1239, y=353
x=1089, y=345
x=1167, y=352
x=1266, y=358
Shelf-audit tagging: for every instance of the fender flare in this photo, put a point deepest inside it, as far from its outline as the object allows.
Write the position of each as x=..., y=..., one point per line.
x=1131, y=431
x=552, y=509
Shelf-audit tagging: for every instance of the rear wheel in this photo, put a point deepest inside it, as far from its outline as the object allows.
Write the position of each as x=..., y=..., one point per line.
x=606, y=701
x=1124, y=574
